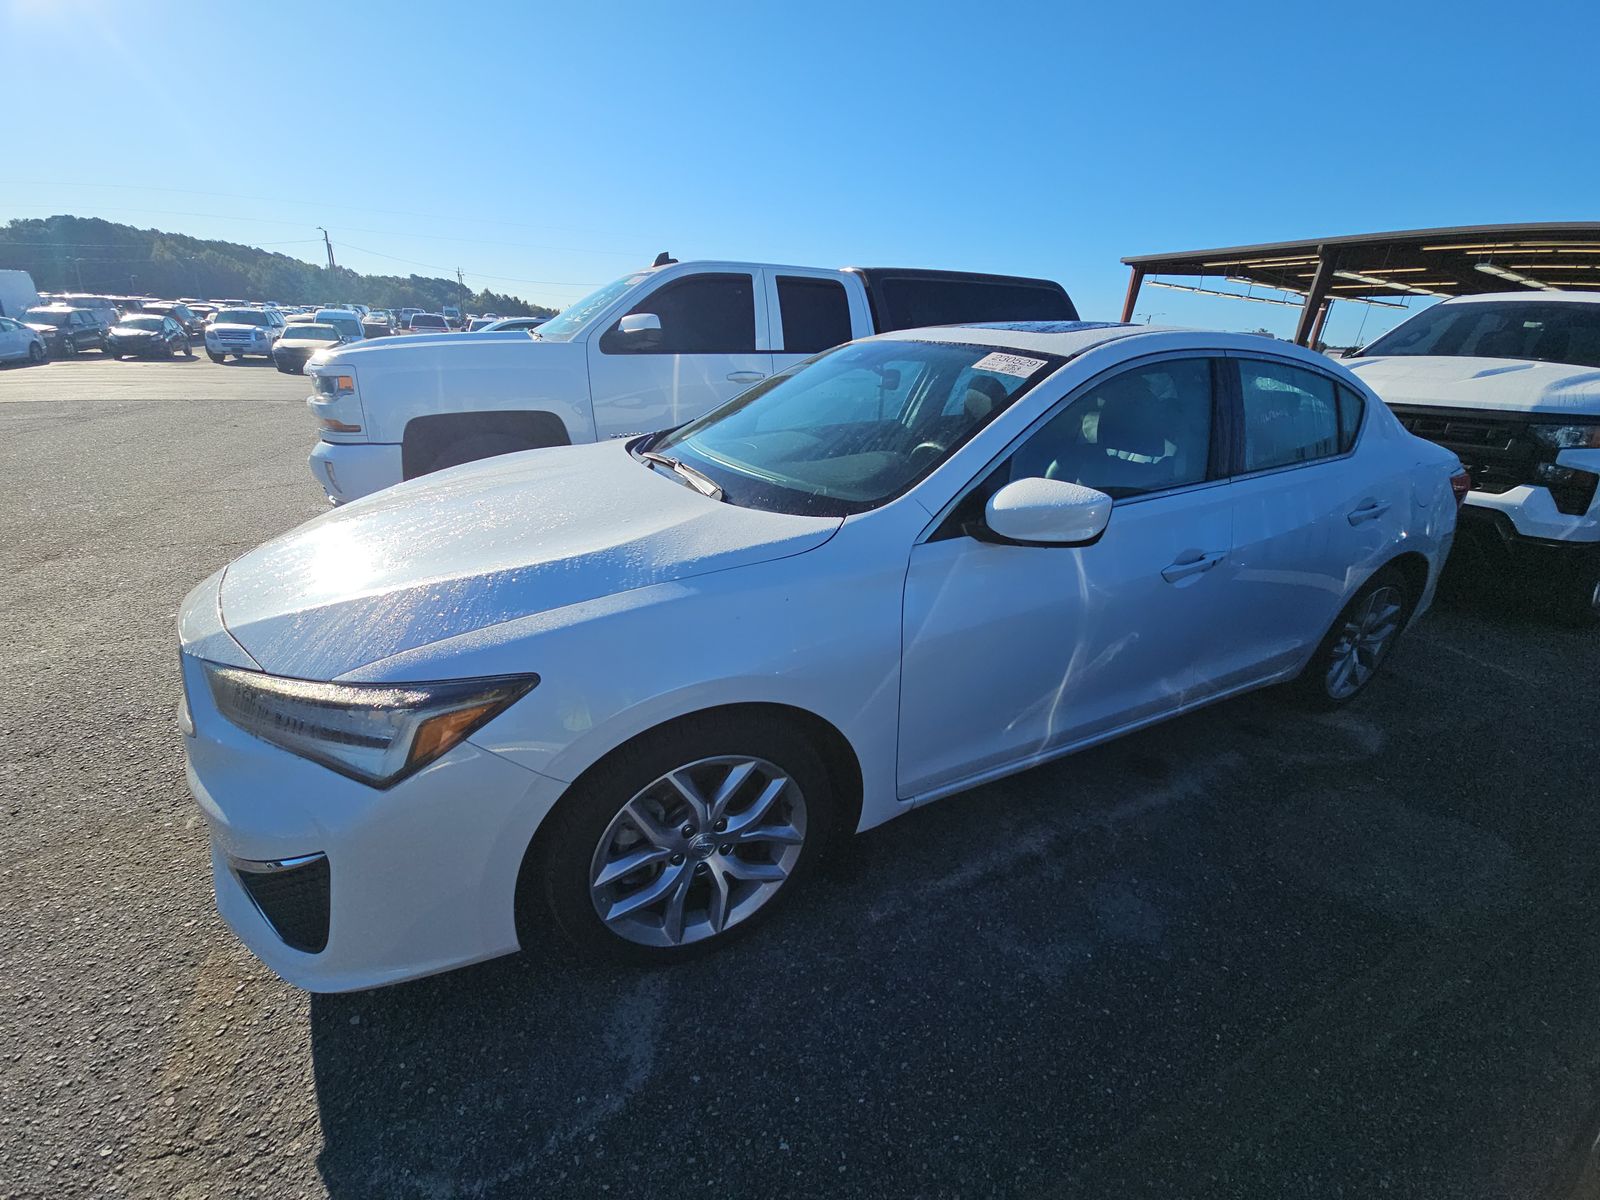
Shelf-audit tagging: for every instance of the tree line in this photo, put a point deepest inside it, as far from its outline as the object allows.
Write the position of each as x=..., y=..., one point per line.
x=86, y=254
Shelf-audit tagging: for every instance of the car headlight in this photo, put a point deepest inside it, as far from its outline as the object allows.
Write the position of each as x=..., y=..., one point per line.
x=1568, y=437
x=375, y=733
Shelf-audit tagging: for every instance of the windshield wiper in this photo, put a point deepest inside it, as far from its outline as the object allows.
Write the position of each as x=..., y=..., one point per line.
x=701, y=483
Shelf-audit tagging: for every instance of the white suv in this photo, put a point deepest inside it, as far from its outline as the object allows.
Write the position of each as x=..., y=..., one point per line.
x=242, y=331
x=1511, y=383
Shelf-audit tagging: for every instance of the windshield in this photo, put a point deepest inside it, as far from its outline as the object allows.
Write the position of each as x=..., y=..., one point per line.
x=312, y=333
x=854, y=427
x=44, y=316
x=574, y=317
x=242, y=316
x=348, y=326
x=427, y=321
x=152, y=324
x=1536, y=330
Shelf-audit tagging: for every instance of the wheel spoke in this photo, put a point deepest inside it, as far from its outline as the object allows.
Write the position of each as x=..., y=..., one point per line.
x=763, y=805
x=672, y=916
x=690, y=794
x=719, y=901
x=628, y=864
x=648, y=894
x=730, y=786
x=753, y=872
x=651, y=829
x=786, y=835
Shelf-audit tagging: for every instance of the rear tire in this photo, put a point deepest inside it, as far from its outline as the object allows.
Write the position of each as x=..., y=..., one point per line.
x=713, y=870
x=1360, y=642
x=1580, y=601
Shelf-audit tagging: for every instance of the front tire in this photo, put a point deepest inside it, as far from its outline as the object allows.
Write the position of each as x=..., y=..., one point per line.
x=216, y=358
x=69, y=348
x=1360, y=642
x=36, y=354
x=681, y=840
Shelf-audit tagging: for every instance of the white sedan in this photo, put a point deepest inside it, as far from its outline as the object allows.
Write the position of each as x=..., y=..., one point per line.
x=632, y=689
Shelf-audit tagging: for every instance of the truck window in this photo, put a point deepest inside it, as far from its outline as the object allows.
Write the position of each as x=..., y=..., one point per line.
x=910, y=303
x=816, y=313
x=703, y=314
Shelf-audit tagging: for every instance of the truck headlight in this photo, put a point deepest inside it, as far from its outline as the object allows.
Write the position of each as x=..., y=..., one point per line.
x=1568, y=437
x=375, y=733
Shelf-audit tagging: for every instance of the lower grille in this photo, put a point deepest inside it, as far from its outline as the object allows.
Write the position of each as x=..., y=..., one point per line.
x=1500, y=452
x=293, y=897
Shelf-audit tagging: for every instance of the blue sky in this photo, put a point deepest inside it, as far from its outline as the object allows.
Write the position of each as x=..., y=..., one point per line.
x=548, y=148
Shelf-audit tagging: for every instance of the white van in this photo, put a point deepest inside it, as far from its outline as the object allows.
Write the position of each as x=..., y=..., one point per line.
x=17, y=294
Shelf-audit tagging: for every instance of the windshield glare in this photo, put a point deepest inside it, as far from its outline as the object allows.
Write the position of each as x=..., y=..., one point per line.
x=43, y=316
x=574, y=317
x=1534, y=330
x=853, y=427
x=242, y=316
x=313, y=333
x=149, y=324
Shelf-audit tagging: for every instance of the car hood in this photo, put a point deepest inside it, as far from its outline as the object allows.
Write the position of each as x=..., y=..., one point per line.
x=480, y=544
x=47, y=330
x=1513, y=385
x=130, y=334
x=230, y=327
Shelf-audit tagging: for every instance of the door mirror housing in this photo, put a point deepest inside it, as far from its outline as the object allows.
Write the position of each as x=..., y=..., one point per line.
x=1048, y=512
x=638, y=331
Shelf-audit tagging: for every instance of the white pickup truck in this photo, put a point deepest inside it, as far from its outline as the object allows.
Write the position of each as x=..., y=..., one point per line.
x=653, y=349
x=1511, y=382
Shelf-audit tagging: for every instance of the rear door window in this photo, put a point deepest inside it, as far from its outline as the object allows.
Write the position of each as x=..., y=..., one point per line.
x=1290, y=415
x=815, y=313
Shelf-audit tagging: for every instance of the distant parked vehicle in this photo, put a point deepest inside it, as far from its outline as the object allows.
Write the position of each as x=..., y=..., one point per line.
x=148, y=335
x=479, y=323
x=300, y=341
x=403, y=318
x=241, y=332
x=514, y=324
x=375, y=325
x=452, y=316
x=428, y=323
x=347, y=321
x=67, y=332
x=20, y=343
x=301, y=317
x=104, y=308
x=180, y=312
x=17, y=294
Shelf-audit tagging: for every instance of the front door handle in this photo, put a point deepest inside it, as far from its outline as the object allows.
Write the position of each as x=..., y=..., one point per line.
x=746, y=376
x=1191, y=564
x=1371, y=510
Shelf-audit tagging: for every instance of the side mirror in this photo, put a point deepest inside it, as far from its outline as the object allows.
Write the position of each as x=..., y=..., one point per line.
x=638, y=331
x=1048, y=512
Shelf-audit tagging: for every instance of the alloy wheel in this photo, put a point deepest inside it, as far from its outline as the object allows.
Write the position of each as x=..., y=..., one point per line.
x=1364, y=641
x=698, y=850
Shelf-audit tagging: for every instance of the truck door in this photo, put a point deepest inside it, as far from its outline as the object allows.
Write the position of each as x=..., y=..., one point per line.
x=810, y=311
x=704, y=352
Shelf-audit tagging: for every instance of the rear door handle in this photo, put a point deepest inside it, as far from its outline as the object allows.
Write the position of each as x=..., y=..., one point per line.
x=1191, y=565
x=745, y=376
x=1370, y=511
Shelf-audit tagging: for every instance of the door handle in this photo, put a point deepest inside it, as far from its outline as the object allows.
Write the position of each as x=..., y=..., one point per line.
x=1371, y=510
x=746, y=376
x=1191, y=565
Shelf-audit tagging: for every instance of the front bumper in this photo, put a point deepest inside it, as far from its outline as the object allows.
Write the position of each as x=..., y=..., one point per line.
x=349, y=470
x=420, y=878
x=262, y=349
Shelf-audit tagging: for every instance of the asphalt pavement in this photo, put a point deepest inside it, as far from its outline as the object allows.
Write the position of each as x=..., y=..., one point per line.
x=1249, y=953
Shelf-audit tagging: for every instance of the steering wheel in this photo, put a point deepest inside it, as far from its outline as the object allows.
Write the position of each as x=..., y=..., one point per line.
x=935, y=447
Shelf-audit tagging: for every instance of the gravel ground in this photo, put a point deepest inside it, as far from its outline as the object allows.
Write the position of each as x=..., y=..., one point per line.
x=1249, y=953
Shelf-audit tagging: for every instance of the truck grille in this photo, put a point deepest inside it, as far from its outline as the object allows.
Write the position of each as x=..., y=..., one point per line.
x=1499, y=451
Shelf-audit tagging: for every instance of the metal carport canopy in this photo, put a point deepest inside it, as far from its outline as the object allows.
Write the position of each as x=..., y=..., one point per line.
x=1453, y=261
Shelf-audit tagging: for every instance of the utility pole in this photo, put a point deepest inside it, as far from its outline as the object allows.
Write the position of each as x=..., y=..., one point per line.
x=326, y=241
x=461, y=288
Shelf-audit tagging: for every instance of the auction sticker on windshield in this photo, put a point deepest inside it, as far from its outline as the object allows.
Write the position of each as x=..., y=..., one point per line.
x=1008, y=364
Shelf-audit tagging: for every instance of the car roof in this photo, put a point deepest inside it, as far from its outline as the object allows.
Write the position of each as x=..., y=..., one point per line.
x=1553, y=296
x=338, y=312
x=1068, y=339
